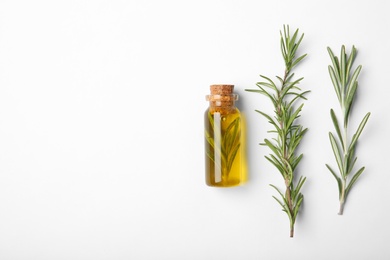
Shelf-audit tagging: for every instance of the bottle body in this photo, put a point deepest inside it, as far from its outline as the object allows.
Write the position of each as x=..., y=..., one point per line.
x=223, y=142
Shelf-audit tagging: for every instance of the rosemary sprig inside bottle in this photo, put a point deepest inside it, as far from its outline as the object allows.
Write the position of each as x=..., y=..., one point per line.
x=345, y=84
x=225, y=144
x=288, y=133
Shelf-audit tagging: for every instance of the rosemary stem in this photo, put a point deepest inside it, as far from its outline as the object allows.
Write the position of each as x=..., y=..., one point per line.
x=341, y=208
x=288, y=196
x=345, y=155
x=285, y=155
x=292, y=230
x=345, y=139
x=342, y=196
x=290, y=207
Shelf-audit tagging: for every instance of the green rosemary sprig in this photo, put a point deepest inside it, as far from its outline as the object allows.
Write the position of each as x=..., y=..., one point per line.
x=345, y=84
x=289, y=133
x=224, y=143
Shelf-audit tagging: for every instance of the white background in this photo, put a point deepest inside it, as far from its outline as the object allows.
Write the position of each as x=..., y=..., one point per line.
x=101, y=130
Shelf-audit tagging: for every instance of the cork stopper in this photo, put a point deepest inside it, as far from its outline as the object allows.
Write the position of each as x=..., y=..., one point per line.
x=221, y=89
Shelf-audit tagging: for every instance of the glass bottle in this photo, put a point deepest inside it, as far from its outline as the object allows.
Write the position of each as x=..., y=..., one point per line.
x=224, y=153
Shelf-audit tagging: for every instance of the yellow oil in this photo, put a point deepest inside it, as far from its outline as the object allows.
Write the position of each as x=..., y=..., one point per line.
x=225, y=148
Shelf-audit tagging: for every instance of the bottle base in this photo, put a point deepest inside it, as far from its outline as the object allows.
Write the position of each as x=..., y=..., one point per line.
x=232, y=183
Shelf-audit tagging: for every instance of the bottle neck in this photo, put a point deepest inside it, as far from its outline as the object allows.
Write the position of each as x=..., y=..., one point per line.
x=222, y=103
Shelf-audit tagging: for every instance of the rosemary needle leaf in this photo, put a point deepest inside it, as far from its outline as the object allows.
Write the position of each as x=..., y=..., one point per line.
x=298, y=60
x=269, y=80
x=300, y=183
x=293, y=39
x=280, y=80
x=336, y=152
x=342, y=65
x=288, y=79
x=350, y=60
x=270, y=120
x=262, y=91
x=335, y=82
x=283, y=48
x=351, y=164
x=289, y=86
x=359, y=131
x=265, y=84
x=280, y=193
x=335, y=63
x=211, y=119
x=281, y=204
x=300, y=40
x=272, y=147
x=294, y=116
x=354, y=179
x=209, y=139
x=297, y=96
x=336, y=177
x=296, y=161
x=353, y=79
x=336, y=126
x=298, y=205
x=276, y=163
x=349, y=100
